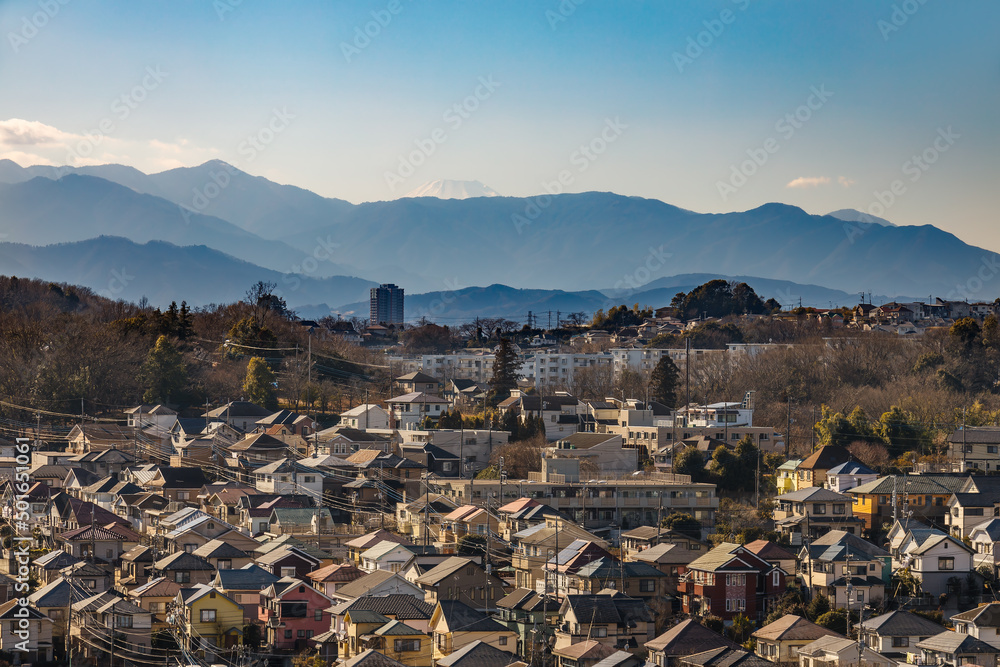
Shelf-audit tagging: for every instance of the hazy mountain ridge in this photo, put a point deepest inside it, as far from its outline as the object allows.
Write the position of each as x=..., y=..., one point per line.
x=569, y=242
x=119, y=268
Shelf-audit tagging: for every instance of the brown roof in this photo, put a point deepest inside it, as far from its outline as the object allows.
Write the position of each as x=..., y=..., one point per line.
x=826, y=457
x=337, y=572
x=687, y=638
x=792, y=627
x=769, y=550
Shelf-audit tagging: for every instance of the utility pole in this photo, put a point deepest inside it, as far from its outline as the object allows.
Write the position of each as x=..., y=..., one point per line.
x=687, y=380
x=113, y=618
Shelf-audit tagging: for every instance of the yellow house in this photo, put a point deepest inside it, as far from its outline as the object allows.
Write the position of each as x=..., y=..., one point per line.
x=786, y=476
x=779, y=641
x=455, y=624
x=212, y=620
x=364, y=629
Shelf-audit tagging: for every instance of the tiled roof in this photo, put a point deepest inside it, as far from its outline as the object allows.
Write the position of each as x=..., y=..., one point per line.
x=791, y=627
x=686, y=638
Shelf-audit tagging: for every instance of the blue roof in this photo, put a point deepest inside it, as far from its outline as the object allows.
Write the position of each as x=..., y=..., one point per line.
x=851, y=468
x=246, y=578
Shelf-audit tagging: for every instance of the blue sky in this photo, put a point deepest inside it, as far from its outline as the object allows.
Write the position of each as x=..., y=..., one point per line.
x=356, y=115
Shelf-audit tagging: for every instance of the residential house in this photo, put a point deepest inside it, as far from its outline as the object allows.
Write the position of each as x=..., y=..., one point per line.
x=286, y=476
x=212, y=620
x=686, y=638
x=534, y=546
x=670, y=559
x=156, y=596
x=242, y=415
x=778, y=642
x=975, y=448
x=292, y=612
x=95, y=616
x=366, y=630
x=846, y=476
x=814, y=511
x=243, y=586
x=730, y=580
x=365, y=416
x=976, y=502
x=787, y=476
x=839, y=561
x=523, y=513
x=633, y=578
x=84, y=438
x=36, y=634
x=812, y=471
x=288, y=561
x=774, y=554
x=48, y=567
x=455, y=624
x=925, y=496
x=185, y=568
x=956, y=648
x=983, y=623
x=409, y=410
x=479, y=654
x=53, y=599
x=585, y=653
x=465, y=520
x=378, y=583
x=300, y=521
x=940, y=564
x=461, y=579
x=136, y=566
x=840, y=651
x=178, y=484
x=524, y=611
x=984, y=539
x=613, y=619
x=332, y=578
x=897, y=633
x=224, y=556
x=386, y=555
x=358, y=545
x=434, y=459
x=100, y=543
x=724, y=657
x=417, y=382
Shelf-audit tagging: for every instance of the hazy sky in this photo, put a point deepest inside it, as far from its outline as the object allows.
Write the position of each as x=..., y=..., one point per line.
x=828, y=101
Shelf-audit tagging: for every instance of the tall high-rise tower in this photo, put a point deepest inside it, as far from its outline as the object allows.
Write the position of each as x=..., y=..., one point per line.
x=386, y=305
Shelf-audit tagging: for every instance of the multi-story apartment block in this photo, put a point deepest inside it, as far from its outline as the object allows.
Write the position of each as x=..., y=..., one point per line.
x=386, y=304
x=629, y=501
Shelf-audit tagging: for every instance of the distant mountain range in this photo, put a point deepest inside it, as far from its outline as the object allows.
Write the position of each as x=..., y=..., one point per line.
x=452, y=190
x=578, y=247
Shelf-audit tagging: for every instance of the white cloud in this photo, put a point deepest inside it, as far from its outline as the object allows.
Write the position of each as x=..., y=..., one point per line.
x=51, y=146
x=808, y=182
x=845, y=181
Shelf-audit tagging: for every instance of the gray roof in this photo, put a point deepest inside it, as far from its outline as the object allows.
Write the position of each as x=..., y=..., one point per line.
x=601, y=608
x=987, y=616
x=814, y=494
x=251, y=577
x=725, y=657
x=372, y=658
x=688, y=637
x=478, y=654
x=956, y=642
x=904, y=624
x=401, y=605
x=460, y=615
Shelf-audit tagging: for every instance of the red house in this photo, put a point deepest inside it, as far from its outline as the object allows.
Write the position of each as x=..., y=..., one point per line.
x=293, y=612
x=730, y=580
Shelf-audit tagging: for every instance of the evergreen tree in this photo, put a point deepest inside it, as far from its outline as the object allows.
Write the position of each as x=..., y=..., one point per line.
x=663, y=382
x=505, y=372
x=185, y=323
x=258, y=387
x=163, y=373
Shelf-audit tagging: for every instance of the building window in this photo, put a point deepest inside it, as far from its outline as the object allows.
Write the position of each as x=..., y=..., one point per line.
x=182, y=577
x=288, y=571
x=225, y=564
x=839, y=509
x=600, y=632
x=647, y=585
x=819, y=508
x=898, y=642
x=288, y=634
x=407, y=645
x=946, y=563
x=503, y=640
x=208, y=616
x=319, y=615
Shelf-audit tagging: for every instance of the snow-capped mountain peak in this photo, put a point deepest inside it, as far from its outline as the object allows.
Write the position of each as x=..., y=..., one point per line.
x=445, y=189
